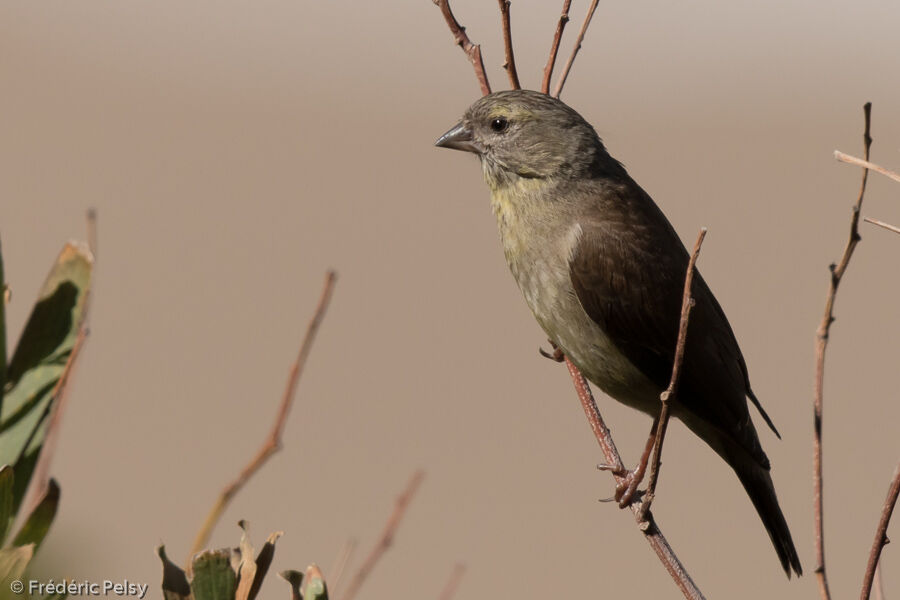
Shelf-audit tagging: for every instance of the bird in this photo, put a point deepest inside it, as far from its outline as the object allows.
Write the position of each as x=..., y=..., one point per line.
x=603, y=271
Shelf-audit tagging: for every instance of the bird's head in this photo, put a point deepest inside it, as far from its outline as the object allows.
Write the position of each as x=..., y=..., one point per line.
x=526, y=134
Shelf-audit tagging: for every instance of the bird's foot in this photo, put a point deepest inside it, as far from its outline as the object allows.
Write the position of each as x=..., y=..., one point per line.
x=627, y=486
x=627, y=489
x=556, y=355
x=628, y=481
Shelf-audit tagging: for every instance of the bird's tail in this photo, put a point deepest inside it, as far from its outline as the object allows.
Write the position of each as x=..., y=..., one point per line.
x=758, y=484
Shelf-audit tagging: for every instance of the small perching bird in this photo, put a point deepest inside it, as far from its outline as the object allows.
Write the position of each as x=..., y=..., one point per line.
x=603, y=271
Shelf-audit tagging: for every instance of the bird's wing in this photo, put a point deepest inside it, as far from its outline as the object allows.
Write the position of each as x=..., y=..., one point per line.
x=640, y=313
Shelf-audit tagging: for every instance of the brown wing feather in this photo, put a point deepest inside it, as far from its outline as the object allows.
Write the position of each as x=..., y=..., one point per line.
x=640, y=314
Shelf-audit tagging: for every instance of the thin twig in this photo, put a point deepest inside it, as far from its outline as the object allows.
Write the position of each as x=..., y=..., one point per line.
x=272, y=443
x=91, y=218
x=611, y=456
x=338, y=568
x=687, y=302
x=565, y=72
x=510, y=62
x=837, y=272
x=881, y=534
x=453, y=583
x=473, y=51
x=554, y=48
x=887, y=226
x=865, y=164
x=387, y=536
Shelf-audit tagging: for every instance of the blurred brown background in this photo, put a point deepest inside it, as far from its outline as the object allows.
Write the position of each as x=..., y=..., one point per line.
x=236, y=150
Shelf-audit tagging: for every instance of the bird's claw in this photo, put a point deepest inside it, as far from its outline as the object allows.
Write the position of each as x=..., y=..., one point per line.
x=556, y=355
x=627, y=488
x=617, y=470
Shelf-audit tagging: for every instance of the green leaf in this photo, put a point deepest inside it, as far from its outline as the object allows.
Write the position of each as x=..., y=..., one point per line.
x=2, y=326
x=314, y=587
x=41, y=357
x=263, y=561
x=38, y=524
x=13, y=562
x=295, y=579
x=26, y=407
x=20, y=484
x=214, y=579
x=175, y=585
x=6, y=500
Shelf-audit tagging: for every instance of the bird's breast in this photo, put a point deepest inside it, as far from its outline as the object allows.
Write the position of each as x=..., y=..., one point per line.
x=537, y=243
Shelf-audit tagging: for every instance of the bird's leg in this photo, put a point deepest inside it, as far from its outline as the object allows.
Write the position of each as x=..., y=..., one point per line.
x=557, y=354
x=627, y=488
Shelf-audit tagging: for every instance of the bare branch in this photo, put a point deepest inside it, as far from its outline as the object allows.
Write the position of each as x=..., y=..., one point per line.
x=837, y=272
x=272, y=444
x=510, y=62
x=387, y=536
x=881, y=534
x=453, y=583
x=865, y=164
x=687, y=302
x=887, y=226
x=648, y=526
x=473, y=51
x=554, y=48
x=565, y=72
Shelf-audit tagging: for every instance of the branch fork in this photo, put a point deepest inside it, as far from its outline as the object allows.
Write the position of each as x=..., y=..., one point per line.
x=613, y=461
x=473, y=51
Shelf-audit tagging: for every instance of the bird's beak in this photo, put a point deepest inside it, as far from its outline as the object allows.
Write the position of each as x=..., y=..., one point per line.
x=459, y=138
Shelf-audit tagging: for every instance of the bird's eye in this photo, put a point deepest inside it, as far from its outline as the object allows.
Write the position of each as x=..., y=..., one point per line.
x=499, y=124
